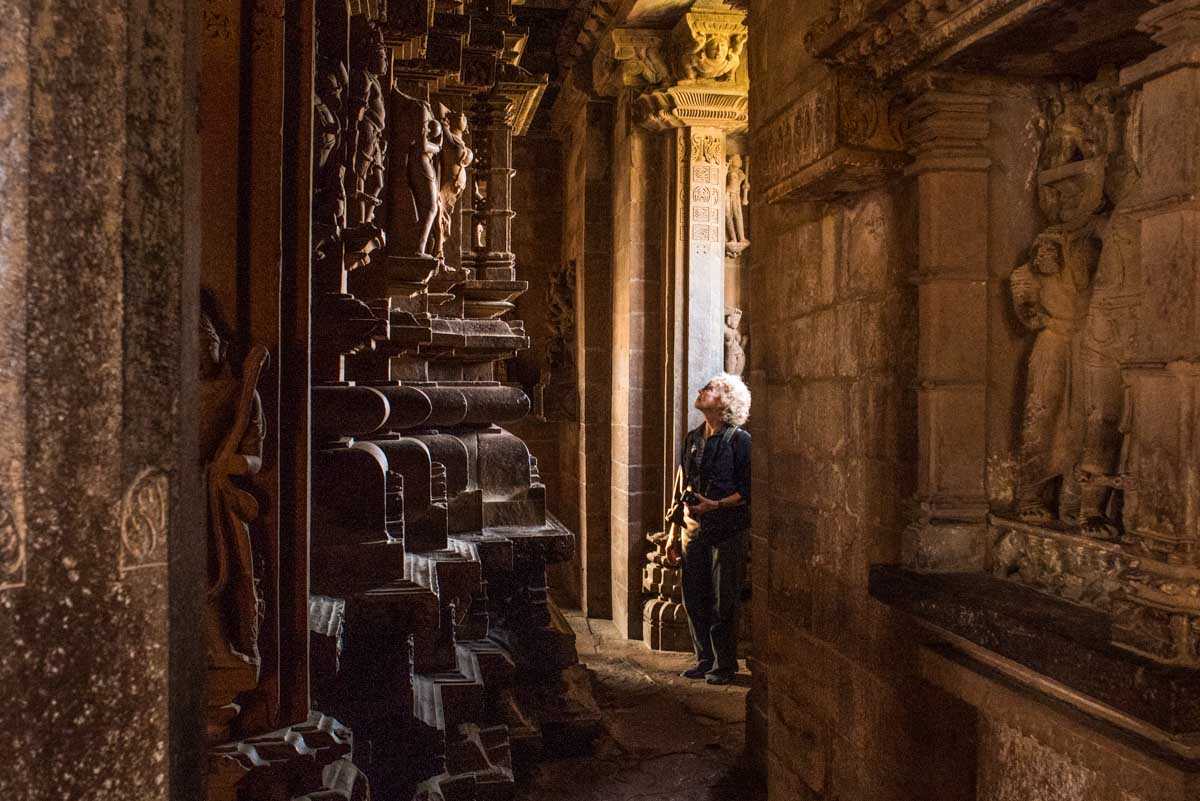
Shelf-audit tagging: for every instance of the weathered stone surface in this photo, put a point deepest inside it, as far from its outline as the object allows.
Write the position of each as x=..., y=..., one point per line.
x=663, y=736
x=96, y=280
x=1058, y=640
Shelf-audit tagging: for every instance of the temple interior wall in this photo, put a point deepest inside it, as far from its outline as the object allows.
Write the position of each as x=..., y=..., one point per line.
x=538, y=195
x=848, y=701
x=101, y=542
x=834, y=400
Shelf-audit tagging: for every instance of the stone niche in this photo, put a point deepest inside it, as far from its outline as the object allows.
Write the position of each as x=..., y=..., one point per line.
x=1055, y=545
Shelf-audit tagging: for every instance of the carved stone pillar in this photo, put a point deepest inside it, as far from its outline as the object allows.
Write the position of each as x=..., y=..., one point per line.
x=1162, y=370
x=493, y=256
x=704, y=99
x=946, y=134
x=585, y=125
x=679, y=93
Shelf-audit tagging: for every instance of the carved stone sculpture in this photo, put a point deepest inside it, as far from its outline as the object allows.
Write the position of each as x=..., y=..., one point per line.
x=415, y=140
x=231, y=442
x=1051, y=296
x=368, y=113
x=708, y=55
x=735, y=341
x=1107, y=341
x=1048, y=296
x=329, y=192
x=456, y=156
x=557, y=396
x=737, y=197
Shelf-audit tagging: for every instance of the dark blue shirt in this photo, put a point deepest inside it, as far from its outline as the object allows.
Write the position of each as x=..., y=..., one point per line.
x=717, y=469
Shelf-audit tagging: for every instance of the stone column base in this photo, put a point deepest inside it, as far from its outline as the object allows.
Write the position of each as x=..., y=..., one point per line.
x=664, y=626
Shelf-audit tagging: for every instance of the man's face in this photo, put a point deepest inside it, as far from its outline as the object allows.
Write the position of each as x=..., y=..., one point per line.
x=709, y=398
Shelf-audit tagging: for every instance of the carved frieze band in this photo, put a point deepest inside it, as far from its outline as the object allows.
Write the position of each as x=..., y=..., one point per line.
x=1155, y=607
x=838, y=137
x=706, y=201
x=886, y=37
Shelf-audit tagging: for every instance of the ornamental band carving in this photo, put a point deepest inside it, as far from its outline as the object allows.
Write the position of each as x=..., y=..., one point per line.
x=838, y=137
x=145, y=512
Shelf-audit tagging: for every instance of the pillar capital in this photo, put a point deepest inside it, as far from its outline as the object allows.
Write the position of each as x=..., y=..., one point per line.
x=947, y=131
x=694, y=73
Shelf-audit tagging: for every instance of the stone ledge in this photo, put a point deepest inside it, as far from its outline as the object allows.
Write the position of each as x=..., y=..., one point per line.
x=1054, y=643
x=1139, y=769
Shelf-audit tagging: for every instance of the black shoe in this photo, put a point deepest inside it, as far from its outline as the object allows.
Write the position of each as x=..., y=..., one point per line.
x=698, y=672
x=719, y=678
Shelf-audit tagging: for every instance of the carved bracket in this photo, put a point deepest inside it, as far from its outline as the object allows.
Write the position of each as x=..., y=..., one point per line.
x=629, y=57
x=840, y=137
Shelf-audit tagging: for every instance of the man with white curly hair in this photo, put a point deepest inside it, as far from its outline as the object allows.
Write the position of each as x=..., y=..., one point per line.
x=716, y=480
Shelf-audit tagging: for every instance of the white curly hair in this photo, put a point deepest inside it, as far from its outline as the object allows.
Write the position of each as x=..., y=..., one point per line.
x=735, y=397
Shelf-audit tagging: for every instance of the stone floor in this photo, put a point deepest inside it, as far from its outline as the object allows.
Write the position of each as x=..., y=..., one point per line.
x=666, y=738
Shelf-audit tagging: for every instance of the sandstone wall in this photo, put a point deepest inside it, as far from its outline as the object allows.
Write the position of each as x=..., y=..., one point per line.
x=99, y=514
x=837, y=710
x=538, y=195
x=851, y=699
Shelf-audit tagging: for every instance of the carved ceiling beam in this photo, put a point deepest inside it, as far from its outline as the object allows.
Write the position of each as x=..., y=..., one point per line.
x=888, y=37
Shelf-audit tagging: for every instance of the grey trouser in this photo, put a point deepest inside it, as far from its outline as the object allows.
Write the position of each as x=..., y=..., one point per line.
x=712, y=593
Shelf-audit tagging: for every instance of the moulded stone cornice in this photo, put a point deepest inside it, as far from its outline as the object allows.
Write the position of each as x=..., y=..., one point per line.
x=695, y=105
x=524, y=91
x=948, y=129
x=585, y=24
x=1176, y=26
x=888, y=37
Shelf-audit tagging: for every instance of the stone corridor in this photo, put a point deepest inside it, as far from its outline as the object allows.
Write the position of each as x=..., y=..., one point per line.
x=665, y=738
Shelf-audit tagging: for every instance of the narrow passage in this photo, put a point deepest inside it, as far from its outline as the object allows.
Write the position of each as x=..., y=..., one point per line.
x=665, y=738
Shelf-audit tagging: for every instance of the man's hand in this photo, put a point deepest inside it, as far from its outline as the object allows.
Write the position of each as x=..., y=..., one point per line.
x=705, y=505
x=674, y=554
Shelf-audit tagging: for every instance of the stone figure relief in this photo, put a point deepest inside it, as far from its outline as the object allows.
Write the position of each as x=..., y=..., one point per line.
x=415, y=142
x=709, y=55
x=368, y=115
x=456, y=156
x=232, y=428
x=1049, y=294
x=329, y=134
x=735, y=342
x=1073, y=295
x=1108, y=341
x=145, y=516
x=479, y=205
x=556, y=389
x=560, y=292
x=737, y=197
